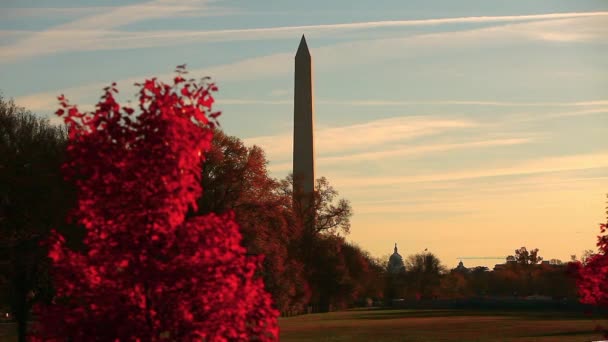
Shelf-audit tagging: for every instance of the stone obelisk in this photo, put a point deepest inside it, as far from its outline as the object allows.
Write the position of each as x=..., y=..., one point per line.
x=303, y=128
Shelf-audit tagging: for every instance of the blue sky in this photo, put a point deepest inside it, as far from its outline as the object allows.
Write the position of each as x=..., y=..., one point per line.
x=470, y=128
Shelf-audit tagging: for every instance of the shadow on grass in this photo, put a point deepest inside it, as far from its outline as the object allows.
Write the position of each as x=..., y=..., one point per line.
x=566, y=333
x=375, y=314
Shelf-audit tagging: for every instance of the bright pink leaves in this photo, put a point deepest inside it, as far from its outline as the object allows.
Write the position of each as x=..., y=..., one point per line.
x=593, y=283
x=150, y=273
x=593, y=276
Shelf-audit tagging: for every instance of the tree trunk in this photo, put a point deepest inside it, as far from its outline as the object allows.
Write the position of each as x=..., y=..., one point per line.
x=323, y=302
x=20, y=306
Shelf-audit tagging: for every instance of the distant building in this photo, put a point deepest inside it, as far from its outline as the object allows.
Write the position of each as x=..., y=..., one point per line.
x=545, y=263
x=500, y=267
x=460, y=268
x=395, y=263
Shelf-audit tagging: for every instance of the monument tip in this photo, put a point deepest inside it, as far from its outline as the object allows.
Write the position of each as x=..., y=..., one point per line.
x=303, y=48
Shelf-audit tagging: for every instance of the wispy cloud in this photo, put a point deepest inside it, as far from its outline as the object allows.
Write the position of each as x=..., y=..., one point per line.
x=244, y=70
x=6, y=34
x=399, y=103
x=12, y=12
x=85, y=33
x=281, y=92
x=420, y=22
x=540, y=165
x=253, y=102
x=418, y=150
x=541, y=193
x=47, y=101
x=402, y=103
x=191, y=8
x=361, y=136
x=95, y=32
x=404, y=152
x=326, y=58
x=530, y=117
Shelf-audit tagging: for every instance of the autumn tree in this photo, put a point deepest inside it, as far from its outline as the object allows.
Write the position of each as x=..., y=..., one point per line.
x=150, y=272
x=344, y=275
x=454, y=285
x=555, y=281
x=371, y=279
x=320, y=241
x=592, y=280
x=587, y=255
x=235, y=178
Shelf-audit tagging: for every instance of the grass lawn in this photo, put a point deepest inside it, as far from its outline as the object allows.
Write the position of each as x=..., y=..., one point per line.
x=440, y=325
x=428, y=325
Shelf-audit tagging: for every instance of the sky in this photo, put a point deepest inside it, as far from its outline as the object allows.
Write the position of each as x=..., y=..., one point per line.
x=469, y=128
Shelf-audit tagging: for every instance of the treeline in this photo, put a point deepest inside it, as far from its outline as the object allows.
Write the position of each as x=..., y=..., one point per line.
x=306, y=267
x=33, y=200
x=521, y=276
x=317, y=270
x=303, y=269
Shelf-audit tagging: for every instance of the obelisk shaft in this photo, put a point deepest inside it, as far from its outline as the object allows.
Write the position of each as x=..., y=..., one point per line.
x=303, y=126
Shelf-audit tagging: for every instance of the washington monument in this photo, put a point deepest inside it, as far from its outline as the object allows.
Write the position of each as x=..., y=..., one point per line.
x=303, y=128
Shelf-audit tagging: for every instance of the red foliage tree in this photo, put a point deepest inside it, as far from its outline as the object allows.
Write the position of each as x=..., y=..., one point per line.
x=592, y=279
x=149, y=272
x=235, y=178
x=593, y=282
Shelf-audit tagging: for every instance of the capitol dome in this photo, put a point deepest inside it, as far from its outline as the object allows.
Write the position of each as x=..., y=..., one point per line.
x=395, y=262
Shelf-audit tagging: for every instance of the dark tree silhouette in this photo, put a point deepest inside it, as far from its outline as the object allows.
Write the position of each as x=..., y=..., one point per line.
x=33, y=199
x=525, y=257
x=331, y=215
x=423, y=272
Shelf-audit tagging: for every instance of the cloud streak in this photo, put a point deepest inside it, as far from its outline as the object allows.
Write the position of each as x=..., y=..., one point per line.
x=361, y=136
x=190, y=8
x=529, y=197
x=13, y=12
x=401, y=103
x=94, y=32
x=538, y=166
x=85, y=33
x=397, y=103
x=329, y=58
x=405, y=152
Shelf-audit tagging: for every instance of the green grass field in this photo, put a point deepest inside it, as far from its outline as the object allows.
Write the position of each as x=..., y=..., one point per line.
x=428, y=325
x=440, y=325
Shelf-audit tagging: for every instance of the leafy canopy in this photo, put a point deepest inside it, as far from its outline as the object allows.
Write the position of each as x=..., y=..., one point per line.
x=150, y=272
